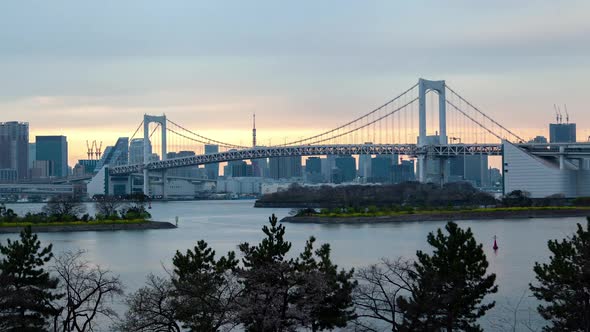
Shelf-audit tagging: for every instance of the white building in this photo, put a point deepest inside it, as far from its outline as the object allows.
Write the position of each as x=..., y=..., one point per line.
x=544, y=177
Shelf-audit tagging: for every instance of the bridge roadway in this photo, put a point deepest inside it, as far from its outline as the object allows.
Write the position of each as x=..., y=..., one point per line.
x=571, y=150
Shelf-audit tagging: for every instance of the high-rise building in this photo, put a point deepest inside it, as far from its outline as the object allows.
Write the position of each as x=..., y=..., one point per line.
x=313, y=170
x=562, y=133
x=238, y=168
x=54, y=149
x=346, y=166
x=539, y=139
x=473, y=168
x=14, y=147
x=381, y=169
x=136, y=150
x=404, y=171
x=212, y=170
x=115, y=155
x=365, y=166
x=285, y=167
x=32, y=154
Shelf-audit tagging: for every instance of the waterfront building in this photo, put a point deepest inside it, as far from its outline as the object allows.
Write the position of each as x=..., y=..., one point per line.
x=8, y=175
x=212, y=170
x=55, y=150
x=14, y=147
x=42, y=169
x=136, y=150
x=562, y=133
x=32, y=154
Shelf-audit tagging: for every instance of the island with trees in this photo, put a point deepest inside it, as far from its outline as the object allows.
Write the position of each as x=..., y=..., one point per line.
x=68, y=214
x=414, y=201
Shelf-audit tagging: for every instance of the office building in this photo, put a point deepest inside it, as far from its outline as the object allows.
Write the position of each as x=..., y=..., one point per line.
x=346, y=166
x=562, y=133
x=365, y=166
x=539, y=140
x=55, y=150
x=8, y=175
x=115, y=155
x=313, y=170
x=404, y=171
x=237, y=168
x=285, y=167
x=381, y=169
x=136, y=150
x=212, y=169
x=472, y=168
x=14, y=147
x=32, y=154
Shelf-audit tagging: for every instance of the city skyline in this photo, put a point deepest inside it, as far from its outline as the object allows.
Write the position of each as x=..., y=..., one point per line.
x=211, y=66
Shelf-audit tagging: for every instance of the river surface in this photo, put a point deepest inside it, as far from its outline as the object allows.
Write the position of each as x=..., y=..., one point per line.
x=225, y=224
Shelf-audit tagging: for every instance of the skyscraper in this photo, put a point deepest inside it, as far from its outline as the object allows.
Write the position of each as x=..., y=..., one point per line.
x=136, y=150
x=562, y=133
x=14, y=147
x=115, y=155
x=212, y=170
x=313, y=169
x=347, y=168
x=285, y=167
x=55, y=150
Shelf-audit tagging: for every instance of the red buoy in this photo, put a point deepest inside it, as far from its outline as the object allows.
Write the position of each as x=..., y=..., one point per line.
x=495, y=247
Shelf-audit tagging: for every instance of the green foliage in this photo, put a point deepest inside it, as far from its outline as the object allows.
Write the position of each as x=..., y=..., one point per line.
x=325, y=294
x=517, y=198
x=283, y=294
x=26, y=289
x=204, y=290
x=564, y=283
x=449, y=285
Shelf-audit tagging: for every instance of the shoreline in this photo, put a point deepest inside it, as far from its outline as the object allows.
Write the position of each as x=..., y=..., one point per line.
x=437, y=216
x=91, y=227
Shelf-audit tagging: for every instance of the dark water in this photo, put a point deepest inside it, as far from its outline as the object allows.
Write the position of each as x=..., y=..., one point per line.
x=225, y=224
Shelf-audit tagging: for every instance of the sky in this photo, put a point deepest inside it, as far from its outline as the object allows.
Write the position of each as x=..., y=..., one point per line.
x=90, y=70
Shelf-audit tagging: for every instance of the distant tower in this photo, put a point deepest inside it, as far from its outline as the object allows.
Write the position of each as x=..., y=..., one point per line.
x=254, y=131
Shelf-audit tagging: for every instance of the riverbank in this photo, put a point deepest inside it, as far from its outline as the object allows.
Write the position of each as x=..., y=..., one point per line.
x=89, y=226
x=443, y=216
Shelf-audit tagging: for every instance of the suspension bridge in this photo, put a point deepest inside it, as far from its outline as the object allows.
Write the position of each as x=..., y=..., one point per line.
x=429, y=121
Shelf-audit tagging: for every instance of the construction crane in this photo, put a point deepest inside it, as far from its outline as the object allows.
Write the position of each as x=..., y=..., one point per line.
x=88, y=150
x=567, y=116
x=99, y=150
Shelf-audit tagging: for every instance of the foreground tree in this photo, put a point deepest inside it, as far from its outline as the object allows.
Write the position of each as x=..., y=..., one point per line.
x=64, y=207
x=205, y=289
x=151, y=308
x=88, y=292
x=269, y=282
x=565, y=283
x=324, y=295
x=26, y=288
x=283, y=294
x=449, y=285
x=379, y=287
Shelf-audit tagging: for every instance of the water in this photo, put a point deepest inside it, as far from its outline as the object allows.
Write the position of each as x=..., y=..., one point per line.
x=225, y=224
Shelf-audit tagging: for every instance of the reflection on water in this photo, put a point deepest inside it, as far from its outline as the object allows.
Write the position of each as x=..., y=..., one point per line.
x=225, y=224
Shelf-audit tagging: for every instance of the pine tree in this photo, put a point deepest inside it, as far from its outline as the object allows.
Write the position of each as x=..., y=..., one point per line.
x=205, y=289
x=26, y=289
x=269, y=281
x=449, y=285
x=564, y=283
x=324, y=297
